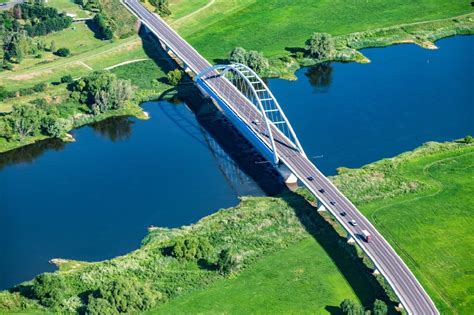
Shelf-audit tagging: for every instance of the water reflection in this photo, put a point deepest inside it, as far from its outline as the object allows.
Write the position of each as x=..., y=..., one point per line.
x=320, y=76
x=29, y=153
x=114, y=128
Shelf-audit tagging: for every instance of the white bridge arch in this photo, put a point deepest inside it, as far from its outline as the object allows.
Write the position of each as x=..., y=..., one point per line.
x=249, y=84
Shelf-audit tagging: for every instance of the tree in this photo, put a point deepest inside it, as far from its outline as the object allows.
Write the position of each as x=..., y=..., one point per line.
x=349, y=307
x=25, y=120
x=121, y=296
x=57, y=127
x=380, y=308
x=174, y=76
x=49, y=289
x=52, y=46
x=238, y=55
x=256, y=61
x=192, y=248
x=63, y=52
x=227, y=262
x=320, y=46
x=99, y=306
x=120, y=91
x=468, y=139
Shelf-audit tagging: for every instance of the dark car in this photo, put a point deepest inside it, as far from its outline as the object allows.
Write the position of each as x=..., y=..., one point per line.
x=343, y=213
x=310, y=178
x=322, y=190
x=333, y=203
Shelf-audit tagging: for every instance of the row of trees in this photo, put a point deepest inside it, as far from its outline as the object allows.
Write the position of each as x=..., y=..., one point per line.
x=196, y=248
x=349, y=307
x=18, y=26
x=28, y=120
x=253, y=59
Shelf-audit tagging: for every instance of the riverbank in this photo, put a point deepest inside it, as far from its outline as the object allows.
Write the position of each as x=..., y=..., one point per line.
x=348, y=46
x=140, y=74
x=262, y=229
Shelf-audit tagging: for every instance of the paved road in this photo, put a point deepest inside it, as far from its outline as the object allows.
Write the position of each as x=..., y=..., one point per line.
x=408, y=289
x=10, y=4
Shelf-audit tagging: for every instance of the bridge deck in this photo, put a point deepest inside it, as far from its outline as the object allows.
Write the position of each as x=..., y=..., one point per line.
x=390, y=265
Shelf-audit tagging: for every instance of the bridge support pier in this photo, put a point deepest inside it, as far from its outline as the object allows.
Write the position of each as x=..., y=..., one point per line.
x=319, y=206
x=350, y=239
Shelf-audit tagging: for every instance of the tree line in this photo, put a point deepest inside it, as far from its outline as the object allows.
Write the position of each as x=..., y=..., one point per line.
x=100, y=92
x=25, y=21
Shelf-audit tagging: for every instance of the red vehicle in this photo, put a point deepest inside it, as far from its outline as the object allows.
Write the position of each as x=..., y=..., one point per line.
x=367, y=236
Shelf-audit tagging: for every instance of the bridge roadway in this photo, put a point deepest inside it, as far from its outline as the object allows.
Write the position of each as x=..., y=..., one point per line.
x=410, y=292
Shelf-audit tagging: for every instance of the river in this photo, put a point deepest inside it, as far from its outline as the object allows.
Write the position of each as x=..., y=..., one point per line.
x=94, y=199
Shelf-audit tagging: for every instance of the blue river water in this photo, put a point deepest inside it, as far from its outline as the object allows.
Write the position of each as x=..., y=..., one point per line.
x=94, y=199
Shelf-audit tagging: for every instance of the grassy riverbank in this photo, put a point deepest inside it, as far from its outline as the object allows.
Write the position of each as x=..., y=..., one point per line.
x=283, y=27
x=287, y=258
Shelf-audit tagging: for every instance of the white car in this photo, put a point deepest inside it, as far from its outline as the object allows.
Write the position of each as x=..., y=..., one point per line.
x=353, y=222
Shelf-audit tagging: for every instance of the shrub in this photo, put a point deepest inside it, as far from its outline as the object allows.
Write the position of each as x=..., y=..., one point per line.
x=253, y=59
x=49, y=289
x=62, y=52
x=192, y=248
x=238, y=55
x=174, y=76
x=468, y=139
x=227, y=262
x=380, y=308
x=256, y=60
x=40, y=87
x=67, y=79
x=121, y=296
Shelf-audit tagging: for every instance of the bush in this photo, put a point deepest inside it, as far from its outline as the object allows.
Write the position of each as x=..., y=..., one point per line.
x=174, y=76
x=380, y=308
x=253, y=59
x=468, y=139
x=121, y=296
x=256, y=61
x=67, y=79
x=227, y=262
x=192, y=248
x=102, y=28
x=49, y=289
x=62, y=52
x=238, y=55
x=40, y=87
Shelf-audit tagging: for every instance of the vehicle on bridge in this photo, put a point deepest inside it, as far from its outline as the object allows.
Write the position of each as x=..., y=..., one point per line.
x=366, y=235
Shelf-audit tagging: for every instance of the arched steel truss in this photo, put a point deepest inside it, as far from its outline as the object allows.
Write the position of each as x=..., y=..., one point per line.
x=250, y=85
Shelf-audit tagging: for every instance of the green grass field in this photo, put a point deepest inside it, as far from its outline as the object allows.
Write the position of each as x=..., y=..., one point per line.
x=428, y=226
x=69, y=7
x=181, y=8
x=272, y=26
x=431, y=231
x=300, y=279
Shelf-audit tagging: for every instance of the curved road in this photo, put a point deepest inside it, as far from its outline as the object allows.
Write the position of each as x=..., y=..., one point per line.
x=410, y=292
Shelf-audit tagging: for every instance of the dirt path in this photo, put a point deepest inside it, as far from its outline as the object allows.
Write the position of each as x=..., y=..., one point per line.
x=125, y=63
x=195, y=12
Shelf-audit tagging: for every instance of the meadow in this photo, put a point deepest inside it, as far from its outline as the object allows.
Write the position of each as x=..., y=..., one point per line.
x=276, y=26
x=421, y=202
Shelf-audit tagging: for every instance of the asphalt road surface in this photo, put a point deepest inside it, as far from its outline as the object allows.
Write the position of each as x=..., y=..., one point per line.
x=389, y=264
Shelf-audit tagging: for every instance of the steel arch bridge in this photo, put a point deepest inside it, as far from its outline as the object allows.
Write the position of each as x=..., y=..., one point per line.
x=250, y=85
